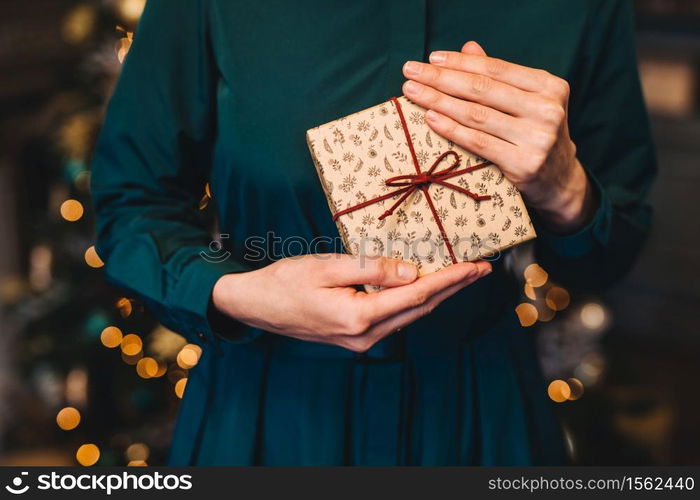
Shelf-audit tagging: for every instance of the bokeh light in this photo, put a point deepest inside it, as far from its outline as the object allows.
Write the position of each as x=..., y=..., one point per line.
x=527, y=314
x=593, y=315
x=557, y=298
x=137, y=452
x=576, y=387
x=188, y=356
x=535, y=275
x=92, y=259
x=131, y=344
x=124, y=307
x=111, y=337
x=68, y=418
x=180, y=387
x=71, y=210
x=147, y=367
x=87, y=454
x=559, y=391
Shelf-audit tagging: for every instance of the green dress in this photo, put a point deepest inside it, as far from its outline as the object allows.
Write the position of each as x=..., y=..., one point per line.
x=222, y=92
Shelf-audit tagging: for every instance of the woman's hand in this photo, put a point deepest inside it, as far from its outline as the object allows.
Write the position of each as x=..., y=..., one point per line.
x=312, y=298
x=513, y=116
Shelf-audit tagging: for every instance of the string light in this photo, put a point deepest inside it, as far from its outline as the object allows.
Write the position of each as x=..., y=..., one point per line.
x=137, y=463
x=71, y=210
x=87, y=454
x=111, y=337
x=68, y=418
x=530, y=291
x=527, y=314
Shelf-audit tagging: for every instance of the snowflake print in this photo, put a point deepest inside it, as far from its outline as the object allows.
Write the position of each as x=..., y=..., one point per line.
x=356, y=140
x=348, y=183
x=373, y=171
x=417, y=118
x=363, y=126
x=517, y=212
x=348, y=157
x=335, y=164
x=368, y=220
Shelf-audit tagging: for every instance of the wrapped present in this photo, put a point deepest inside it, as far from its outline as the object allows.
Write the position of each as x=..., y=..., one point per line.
x=396, y=188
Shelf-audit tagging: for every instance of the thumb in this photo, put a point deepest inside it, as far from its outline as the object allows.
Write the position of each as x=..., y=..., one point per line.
x=473, y=48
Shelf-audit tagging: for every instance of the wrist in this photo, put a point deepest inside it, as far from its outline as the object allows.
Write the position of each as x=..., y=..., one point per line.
x=573, y=206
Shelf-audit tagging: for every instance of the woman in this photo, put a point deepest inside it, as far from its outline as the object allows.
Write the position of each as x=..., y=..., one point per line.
x=298, y=367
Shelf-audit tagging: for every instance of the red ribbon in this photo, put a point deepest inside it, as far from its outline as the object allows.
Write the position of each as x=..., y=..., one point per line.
x=407, y=184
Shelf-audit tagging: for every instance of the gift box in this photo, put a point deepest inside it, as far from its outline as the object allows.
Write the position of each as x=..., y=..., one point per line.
x=396, y=188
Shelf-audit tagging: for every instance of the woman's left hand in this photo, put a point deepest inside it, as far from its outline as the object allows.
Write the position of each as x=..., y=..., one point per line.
x=513, y=116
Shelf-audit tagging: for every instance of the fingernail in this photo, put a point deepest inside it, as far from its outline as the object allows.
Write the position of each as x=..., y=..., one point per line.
x=410, y=88
x=437, y=57
x=487, y=271
x=411, y=68
x=431, y=116
x=407, y=271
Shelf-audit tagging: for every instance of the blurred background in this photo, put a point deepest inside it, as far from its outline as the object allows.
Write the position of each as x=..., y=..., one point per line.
x=87, y=376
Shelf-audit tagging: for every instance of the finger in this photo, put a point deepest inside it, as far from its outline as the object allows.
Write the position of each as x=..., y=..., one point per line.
x=468, y=113
x=475, y=87
x=522, y=77
x=380, y=305
x=473, y=49
x=393, y=323
x=487, y=146
x=346, y=270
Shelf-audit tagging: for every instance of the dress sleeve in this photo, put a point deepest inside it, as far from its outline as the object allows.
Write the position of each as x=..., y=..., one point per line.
x=610, y=127
x=151, y=163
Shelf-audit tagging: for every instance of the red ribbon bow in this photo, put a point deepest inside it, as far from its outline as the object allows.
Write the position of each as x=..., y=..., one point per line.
x=409, y=183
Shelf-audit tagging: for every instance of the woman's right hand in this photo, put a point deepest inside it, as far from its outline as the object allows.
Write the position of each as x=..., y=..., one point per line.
x=312, y=298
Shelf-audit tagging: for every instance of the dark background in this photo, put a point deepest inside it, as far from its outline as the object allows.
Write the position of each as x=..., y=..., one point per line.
x=634, y=349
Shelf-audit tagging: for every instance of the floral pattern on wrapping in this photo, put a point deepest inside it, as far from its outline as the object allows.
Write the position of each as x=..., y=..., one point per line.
x=355, y=154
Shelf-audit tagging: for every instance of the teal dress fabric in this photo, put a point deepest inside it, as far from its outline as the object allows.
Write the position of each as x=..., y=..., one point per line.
x=223, y=92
